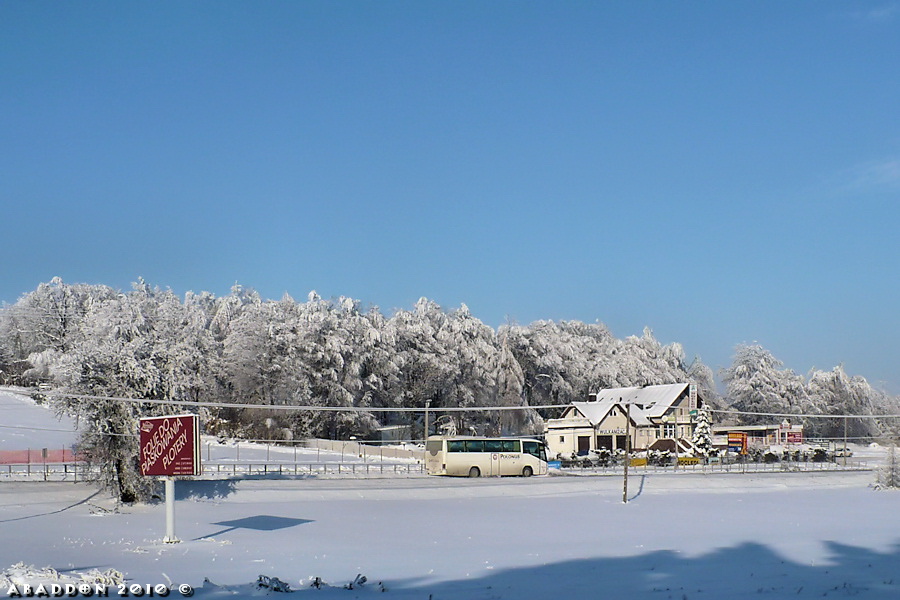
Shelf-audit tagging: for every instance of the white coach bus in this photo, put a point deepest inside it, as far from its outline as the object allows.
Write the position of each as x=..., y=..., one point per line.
x=482, y=456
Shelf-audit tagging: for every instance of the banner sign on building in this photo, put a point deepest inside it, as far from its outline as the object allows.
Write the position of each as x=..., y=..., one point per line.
x=692, y=396
x=790, y=434
x=170, y=445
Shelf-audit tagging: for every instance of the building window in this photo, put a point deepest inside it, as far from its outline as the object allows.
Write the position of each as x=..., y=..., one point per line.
x=669, y=430
x=562, y=439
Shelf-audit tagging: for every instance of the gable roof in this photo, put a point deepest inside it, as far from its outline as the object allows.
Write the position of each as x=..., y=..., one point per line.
x=648, y=402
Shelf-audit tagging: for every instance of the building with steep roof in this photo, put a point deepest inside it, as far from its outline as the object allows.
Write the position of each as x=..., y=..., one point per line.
x=661, y=417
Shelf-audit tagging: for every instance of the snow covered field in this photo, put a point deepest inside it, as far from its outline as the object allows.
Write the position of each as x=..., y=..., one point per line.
x=694, y=536
x=780, y=535
x=23, y=424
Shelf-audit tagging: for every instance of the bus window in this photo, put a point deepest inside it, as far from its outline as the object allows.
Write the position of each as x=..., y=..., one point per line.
x=474, y=445
x=493, y=445
x=532, y=448
x=456, y=446
x=511, y=446
x=434, y=446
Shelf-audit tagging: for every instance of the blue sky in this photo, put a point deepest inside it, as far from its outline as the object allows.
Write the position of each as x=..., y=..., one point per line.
x=722, y=172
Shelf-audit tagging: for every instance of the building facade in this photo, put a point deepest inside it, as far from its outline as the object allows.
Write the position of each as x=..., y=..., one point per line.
x=657, y=416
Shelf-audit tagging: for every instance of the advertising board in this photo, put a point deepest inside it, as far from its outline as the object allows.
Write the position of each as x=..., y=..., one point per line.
x=170, y=445
x=737, y=442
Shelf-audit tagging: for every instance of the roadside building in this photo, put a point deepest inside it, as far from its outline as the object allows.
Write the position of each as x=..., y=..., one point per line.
x=661, y=417
x=760, y=436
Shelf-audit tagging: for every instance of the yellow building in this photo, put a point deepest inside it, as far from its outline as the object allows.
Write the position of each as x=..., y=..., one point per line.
x=661, y=417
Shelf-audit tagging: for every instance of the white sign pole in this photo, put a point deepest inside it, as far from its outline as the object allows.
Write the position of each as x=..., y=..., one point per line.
x=170, y=512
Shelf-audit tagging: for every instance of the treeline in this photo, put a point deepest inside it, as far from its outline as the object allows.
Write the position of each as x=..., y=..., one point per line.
x=757, y=382
x=241, y=349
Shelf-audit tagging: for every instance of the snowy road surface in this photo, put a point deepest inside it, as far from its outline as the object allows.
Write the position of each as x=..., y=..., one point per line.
x=687, y=536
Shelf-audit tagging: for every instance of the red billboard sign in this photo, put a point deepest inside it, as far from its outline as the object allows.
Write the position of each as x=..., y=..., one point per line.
x=170, y=445
x=794, y=437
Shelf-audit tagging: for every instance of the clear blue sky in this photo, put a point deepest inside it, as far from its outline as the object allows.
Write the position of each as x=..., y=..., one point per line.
x=722, y=172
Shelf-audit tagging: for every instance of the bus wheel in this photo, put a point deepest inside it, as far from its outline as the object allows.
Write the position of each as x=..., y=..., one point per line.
x=474, y=472
x=527, y=472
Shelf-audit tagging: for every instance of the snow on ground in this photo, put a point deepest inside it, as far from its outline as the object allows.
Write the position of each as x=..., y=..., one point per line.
x=24, y=424
x=694, y=536
x=776, y=535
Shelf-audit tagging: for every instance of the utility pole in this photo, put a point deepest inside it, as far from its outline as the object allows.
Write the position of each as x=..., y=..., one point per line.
x=845, y=441
x=627, y=451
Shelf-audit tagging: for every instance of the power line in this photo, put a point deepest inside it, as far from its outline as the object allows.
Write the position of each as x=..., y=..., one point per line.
x=802, y=415
x=315, y=408
x=34, y=428
x=288, y=407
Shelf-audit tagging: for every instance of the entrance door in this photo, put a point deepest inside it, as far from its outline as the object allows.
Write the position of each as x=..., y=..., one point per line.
x=604, y=441
x=584, y=444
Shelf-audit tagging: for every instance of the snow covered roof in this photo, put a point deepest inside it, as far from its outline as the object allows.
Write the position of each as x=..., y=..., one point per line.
x=647, y=402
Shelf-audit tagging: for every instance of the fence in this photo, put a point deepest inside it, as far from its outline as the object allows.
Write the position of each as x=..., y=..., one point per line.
x=725, y=467
x=364, y=450
x=328, y=468
x=36, y=456
x=75, y=471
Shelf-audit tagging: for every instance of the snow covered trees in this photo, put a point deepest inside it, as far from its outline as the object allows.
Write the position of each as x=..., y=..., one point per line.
x=242, y=349
x=43, y=324
x=756, y=383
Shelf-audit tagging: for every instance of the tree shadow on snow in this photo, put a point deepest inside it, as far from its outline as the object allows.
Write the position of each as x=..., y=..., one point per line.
x=747, y=571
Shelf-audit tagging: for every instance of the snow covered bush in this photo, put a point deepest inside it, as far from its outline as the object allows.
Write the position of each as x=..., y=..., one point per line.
x=662, y=458
x=770, y=456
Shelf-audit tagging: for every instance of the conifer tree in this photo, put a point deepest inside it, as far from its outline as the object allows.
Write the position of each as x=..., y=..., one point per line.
x=702, y=438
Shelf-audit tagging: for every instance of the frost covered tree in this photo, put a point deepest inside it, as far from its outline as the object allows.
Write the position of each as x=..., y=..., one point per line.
x=445, y=359
x=141, y=345
x=702, y=438
x=43, y=323
x=566, y=361
x=317, y=353
x=833, y=392
x=888, y=474
x=756, y=383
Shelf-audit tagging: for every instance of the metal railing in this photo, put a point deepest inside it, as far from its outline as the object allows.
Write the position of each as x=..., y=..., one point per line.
x=319, y=468
x=76, y=471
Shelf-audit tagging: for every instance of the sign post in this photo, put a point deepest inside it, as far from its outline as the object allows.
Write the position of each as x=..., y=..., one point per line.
x=170, y=446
